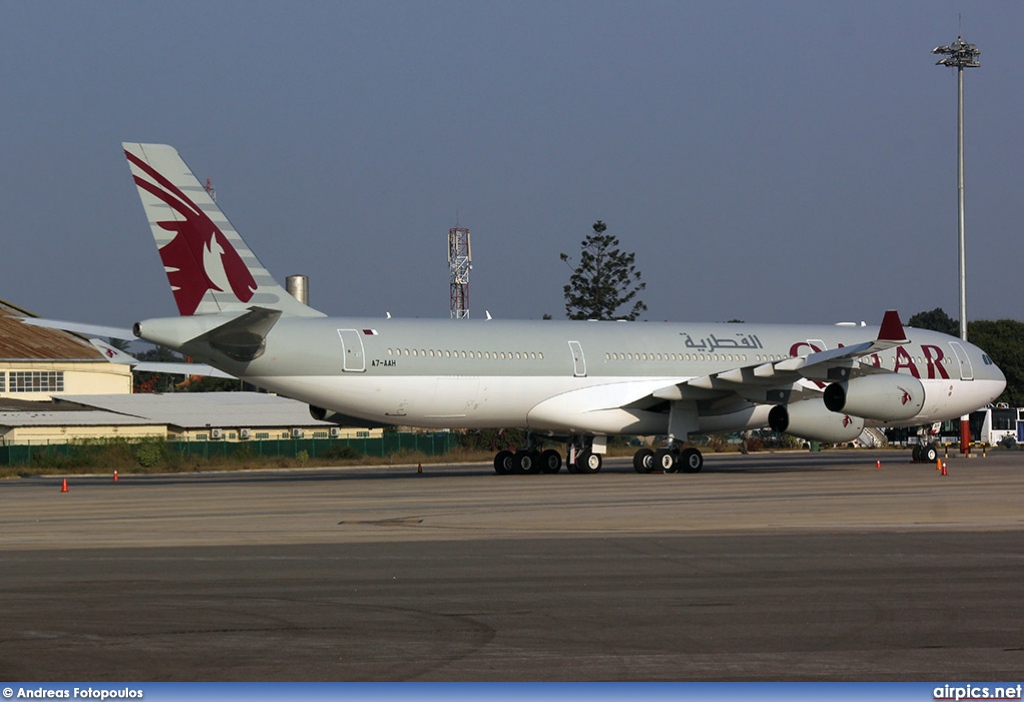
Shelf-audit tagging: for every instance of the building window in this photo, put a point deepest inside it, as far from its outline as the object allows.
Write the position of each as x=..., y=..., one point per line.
x=3, y=382
x=37, y=381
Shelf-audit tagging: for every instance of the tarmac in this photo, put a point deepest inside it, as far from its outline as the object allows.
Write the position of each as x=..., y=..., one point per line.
x=787, y=566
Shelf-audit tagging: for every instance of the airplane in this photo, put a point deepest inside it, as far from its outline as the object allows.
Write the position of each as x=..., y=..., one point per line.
x=581, y=381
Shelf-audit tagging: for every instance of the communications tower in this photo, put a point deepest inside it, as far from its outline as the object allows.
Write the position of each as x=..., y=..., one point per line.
x=460, y=263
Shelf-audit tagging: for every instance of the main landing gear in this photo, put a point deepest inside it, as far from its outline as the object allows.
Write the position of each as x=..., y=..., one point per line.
x=530, y=461
x=670, y=459
x=527, y=462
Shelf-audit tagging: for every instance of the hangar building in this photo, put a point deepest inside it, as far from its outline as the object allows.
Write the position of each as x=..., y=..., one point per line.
x=38, y=363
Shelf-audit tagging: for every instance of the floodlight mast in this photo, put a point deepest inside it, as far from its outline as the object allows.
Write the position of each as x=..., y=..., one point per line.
x=960, y=55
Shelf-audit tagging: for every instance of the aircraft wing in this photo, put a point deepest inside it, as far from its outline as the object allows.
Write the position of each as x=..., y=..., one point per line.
x=782, y=381
x=115, y=355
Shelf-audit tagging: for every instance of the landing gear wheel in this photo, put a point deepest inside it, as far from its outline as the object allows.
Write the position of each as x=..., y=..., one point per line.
x=643, y=460
x=526, y=462
x=588, y=462
x=915, y=454
x=665, y=459
x=929, y=454
x=691, y=460
x=503, y=462
x=551, y=461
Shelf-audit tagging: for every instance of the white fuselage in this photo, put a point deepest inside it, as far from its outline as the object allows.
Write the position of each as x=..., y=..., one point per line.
x=572, y=377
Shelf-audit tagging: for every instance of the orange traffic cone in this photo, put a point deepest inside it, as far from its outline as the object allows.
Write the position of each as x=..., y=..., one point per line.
x=115, y=476
x=878, y=464
x=944, y=468
x=64, y=485
x=938, y=464
x=419, y=468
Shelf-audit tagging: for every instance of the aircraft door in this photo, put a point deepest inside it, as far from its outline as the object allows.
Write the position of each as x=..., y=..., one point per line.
x=966, y=369
x=353, y=361
x=579, y=363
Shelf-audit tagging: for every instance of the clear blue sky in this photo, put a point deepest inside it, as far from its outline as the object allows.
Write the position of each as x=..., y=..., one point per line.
x=783, y=161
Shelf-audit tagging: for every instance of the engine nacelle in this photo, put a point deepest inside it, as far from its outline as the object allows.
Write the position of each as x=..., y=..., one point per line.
x=887, y=398
x=810, y=419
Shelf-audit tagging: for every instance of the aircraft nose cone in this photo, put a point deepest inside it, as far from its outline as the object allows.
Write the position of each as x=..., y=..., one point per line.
x=993, y=378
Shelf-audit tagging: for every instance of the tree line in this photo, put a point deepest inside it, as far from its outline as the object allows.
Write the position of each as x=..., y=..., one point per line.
x=1002, y=340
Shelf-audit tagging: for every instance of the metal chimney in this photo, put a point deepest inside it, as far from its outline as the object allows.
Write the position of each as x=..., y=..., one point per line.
x=298, y=287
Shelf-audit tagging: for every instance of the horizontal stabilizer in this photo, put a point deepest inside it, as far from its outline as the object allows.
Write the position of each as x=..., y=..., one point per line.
x=116, y=355
x=79, y=328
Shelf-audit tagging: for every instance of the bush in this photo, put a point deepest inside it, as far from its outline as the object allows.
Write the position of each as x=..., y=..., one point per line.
x=340, y=452
x=149, y=454
x=493, y=439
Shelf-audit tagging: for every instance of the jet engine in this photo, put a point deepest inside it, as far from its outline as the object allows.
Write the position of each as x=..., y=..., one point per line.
x=887, y=398
x=810, y=419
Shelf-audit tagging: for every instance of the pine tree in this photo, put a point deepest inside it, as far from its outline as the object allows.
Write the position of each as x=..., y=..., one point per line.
x=605, y=280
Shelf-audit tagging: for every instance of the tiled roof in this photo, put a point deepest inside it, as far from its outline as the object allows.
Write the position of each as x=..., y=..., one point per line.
x=23, y=342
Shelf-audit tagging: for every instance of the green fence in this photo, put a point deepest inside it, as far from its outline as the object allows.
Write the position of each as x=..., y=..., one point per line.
x=387, y=445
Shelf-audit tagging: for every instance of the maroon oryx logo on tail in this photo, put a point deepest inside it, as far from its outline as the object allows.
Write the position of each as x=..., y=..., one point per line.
x=199, y=257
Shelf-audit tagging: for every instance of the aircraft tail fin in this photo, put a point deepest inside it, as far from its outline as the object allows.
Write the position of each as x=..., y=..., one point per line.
x=209, y=266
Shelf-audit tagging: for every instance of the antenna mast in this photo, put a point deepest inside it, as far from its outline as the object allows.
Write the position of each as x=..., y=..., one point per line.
x=460, y=263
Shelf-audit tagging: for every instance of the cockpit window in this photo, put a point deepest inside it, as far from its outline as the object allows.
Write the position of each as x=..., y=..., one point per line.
x=986, y=359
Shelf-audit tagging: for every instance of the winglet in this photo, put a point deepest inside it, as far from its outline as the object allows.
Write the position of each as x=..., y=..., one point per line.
x=892, y=328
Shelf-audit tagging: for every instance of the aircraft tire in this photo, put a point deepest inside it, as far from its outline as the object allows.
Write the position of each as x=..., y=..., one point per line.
x=503, y=462
x=551, y=461
x=691, y=460
x=588, y=462
x=526, y=463
x=915, y=454
x=929, y=454
x=643, y=460
x=666, y=460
